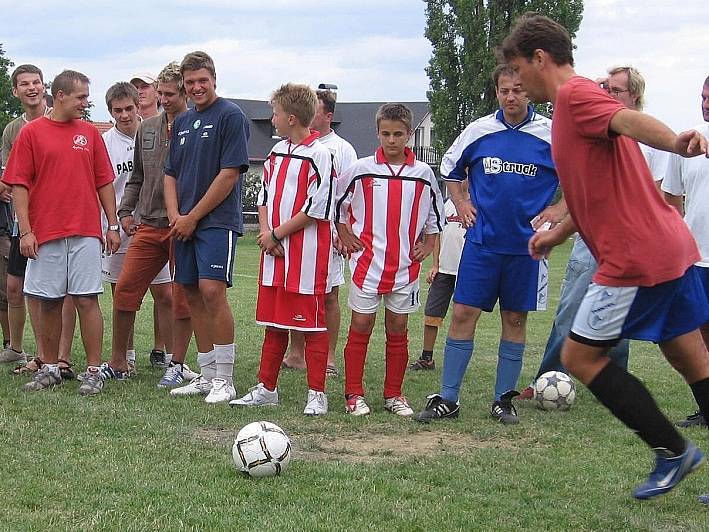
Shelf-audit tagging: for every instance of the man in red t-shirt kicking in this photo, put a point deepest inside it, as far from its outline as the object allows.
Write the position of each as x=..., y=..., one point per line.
x=646, y=286
x=59, y=170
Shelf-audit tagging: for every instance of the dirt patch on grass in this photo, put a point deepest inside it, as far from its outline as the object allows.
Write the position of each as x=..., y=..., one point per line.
x=366, y=446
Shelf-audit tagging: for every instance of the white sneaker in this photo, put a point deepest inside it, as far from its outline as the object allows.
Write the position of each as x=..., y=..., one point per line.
x=316, y=405
x=399, y=406
x=356, y=406
x=198, y=386
x=221, y=392
x=258, y=396
x=187, y=373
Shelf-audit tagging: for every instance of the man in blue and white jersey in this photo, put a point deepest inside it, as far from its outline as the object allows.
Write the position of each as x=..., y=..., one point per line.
x=506, y=157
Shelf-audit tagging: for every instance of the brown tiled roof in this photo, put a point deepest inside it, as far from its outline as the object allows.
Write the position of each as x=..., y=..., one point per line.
x=102, y=126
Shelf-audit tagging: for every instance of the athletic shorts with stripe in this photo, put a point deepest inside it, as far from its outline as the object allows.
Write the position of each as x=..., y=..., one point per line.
x=405, y=300
x=148, y=253
x=275, y=307
x=209, y=254
x=518, y=281
x=654, y=314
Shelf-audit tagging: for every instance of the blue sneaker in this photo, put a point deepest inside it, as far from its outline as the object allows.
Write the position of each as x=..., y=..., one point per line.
x=172, y=377
x=669, y=471
x=704, y=499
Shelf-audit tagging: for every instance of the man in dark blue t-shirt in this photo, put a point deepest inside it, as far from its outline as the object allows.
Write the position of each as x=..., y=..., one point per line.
x=203, y=199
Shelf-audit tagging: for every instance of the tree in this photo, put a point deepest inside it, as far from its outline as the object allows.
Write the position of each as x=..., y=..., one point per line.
x=10, y=107
x=464, y=35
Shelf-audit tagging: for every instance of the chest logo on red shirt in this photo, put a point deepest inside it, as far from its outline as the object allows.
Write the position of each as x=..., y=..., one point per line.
x=80, y=143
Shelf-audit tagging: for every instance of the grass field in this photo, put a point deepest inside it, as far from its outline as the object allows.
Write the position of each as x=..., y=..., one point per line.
x=135, y=459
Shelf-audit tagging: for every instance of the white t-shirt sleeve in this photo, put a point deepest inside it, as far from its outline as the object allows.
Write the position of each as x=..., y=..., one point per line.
x=672, y=179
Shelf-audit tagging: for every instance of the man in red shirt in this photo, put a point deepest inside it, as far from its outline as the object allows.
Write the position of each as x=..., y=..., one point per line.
x=59, y=170
x=646, y=286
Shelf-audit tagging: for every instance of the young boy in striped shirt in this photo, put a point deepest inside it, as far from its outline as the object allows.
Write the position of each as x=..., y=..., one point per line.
x=295, y=210
x=388, y=216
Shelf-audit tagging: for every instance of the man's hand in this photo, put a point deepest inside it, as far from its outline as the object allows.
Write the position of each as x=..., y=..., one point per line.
x=690, y=144
x=351, y=244
x=423, y=248
x=5, y=193
x=113, y=241
x=128, y=224
x=268, y=245
x=183, y=227
x=466, y=212
x=552, y=215
x=541, y=243
x=431, y=275
x=28, y=246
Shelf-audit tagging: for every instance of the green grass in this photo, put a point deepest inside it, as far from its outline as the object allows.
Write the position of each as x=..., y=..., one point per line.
x=135, y=459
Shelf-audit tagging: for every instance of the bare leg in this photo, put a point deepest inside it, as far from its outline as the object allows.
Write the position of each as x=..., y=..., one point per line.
x=296, y=354
x=162, y=316
x=91, y=322
x=201, y=321
x=33, y=305
x=68, y=324
x=50, y=314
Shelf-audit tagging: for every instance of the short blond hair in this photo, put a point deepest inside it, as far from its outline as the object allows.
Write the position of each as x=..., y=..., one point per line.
x=297, y=100
x=636, y=83
x=395, y=112
x=171, y=74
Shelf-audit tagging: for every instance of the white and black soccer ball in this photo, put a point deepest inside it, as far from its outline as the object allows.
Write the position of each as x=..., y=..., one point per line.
x=554, y=390
x=262, y=449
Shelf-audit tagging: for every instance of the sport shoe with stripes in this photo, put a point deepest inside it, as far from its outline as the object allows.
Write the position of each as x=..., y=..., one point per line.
x=45, y=378
x=316, y=404
x=399, y=406
x=669, y=470
x=438, y=408
x=259, y=395
x=355, y=406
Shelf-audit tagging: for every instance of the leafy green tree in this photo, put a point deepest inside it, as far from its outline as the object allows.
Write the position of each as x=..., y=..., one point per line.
x=464, y=35
x=10, y=107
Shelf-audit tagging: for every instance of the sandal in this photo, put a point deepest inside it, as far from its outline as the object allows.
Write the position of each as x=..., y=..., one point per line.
x=331, y=371
x=31, y=367
x=65, y=370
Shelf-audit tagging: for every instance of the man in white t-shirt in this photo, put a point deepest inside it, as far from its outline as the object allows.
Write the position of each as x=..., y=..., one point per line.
x=344, y=156
x=122, y=102
x=690, y=178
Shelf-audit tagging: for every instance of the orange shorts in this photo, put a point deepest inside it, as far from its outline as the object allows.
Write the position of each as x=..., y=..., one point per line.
x=288, y=310
x=149, y=250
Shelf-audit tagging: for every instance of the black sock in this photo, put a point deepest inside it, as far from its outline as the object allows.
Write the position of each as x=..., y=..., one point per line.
x=628, y=400
x=427, y=355
x=700, y=389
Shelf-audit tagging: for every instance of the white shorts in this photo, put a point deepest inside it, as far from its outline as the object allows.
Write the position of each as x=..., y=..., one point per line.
x=65, y=266
x=405, y=300
x=112, y=266
x=337, y=269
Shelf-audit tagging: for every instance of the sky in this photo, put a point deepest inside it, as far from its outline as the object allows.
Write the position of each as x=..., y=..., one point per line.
x=374, y=50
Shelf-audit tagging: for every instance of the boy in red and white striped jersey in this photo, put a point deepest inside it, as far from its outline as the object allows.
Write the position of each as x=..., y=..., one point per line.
x=388, y=216
x=295, y=209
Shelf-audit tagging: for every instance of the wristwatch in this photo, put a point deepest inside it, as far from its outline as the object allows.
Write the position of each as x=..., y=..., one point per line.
x=114, y=227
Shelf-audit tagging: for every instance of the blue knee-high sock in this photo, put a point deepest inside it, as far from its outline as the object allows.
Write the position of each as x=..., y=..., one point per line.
x=456, y=356
x=509, y=366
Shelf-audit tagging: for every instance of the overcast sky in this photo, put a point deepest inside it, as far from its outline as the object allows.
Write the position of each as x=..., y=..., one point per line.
x=372, y=49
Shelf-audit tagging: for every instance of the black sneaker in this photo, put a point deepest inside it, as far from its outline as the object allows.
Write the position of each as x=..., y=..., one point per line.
x=157, y=358
x=438, y=408
x=422, y=364
x=503, y=410
x=693, y=420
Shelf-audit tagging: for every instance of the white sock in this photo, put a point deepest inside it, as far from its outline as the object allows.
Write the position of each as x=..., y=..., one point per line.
x=130, y=355
x=207, y=365
x=168, y=358
x=224, y=355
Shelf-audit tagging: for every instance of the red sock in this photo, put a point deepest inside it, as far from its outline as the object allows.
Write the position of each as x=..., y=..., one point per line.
x=275, y=343
x=355, y=355
x=316, y=346
x=397, y=357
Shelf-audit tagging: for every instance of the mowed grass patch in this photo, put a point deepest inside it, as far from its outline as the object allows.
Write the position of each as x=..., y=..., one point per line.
x=134, y=458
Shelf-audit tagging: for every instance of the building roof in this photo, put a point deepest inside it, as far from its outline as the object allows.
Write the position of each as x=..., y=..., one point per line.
x=102, y=126
x=353, y=121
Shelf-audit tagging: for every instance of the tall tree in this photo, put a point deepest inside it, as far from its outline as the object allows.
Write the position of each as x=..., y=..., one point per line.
x=464, y=35
x=9, y=105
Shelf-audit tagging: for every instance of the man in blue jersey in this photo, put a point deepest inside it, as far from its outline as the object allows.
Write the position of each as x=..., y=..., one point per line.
x=506, y=157
x=203, y=200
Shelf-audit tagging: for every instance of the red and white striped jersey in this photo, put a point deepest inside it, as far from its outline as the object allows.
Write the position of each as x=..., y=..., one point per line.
x=299, y=178
x=388, y=207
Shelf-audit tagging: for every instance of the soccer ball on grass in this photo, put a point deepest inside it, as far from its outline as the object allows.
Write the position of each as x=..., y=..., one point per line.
x=554, y=390
x=261, y=449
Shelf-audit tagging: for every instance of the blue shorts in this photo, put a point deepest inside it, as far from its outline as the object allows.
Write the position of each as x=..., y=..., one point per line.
x=209, y=254
x=518, y=281
x=654, y=313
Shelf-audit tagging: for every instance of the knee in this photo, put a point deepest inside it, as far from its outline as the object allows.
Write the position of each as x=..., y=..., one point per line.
x=162, y=295
x=362, y=323
x=84, y=303
x=213, y=294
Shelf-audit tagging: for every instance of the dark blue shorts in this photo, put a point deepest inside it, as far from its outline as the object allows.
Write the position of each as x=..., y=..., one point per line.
x=209, y=254
x=518, y=281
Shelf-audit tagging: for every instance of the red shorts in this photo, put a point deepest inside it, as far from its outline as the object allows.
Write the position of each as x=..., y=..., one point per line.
x=147, y=253
x=288, y=310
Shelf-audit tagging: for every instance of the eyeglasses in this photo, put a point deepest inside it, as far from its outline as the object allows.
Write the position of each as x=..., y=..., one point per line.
x=615, y=91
